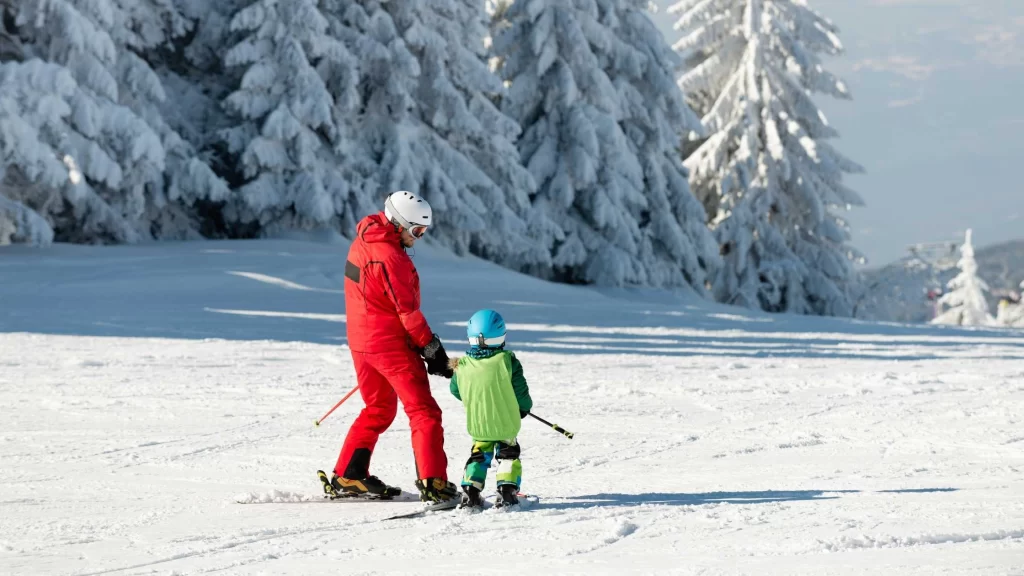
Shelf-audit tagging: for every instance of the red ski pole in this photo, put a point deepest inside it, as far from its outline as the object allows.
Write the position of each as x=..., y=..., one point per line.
x=324, y=417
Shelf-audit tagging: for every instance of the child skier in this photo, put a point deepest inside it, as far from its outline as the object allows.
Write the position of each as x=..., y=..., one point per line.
x=489, y=381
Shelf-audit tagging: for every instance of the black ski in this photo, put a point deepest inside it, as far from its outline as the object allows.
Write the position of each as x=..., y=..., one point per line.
x=427, y=509
x=455, y=504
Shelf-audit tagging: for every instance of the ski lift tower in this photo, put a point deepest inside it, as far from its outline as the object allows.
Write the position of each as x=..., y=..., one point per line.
x=935, y=257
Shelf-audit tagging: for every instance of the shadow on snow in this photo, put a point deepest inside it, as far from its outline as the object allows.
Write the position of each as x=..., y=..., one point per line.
x=684, y=499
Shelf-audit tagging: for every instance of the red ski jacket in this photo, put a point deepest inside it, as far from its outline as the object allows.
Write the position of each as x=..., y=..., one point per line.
x=382, y=291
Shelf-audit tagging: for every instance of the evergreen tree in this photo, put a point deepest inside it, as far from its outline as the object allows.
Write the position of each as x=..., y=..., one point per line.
x=591, y=84
x=455, y=96
x=428, y=123
x=117, y=152
x=287, y=127
x=966, y=296
x=590, y=195
x=676, y=247
x=766, y=175
x=147, y=33
x=34, y=110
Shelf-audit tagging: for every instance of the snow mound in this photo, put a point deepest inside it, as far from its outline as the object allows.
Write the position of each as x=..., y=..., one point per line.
x=274, y=497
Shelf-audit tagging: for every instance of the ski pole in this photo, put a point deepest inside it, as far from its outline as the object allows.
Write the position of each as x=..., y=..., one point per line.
x=324, y=417
x=554, y=427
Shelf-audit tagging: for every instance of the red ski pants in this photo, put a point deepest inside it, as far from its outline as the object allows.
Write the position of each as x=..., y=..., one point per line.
x=384, y=378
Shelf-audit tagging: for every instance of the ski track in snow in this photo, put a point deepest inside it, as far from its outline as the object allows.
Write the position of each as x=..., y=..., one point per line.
x=158, y=419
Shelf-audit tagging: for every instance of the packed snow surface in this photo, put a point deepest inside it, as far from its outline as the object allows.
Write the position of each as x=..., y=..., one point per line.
x=158, y=405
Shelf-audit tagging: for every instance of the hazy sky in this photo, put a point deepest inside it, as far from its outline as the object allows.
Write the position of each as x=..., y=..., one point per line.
x=937, y=118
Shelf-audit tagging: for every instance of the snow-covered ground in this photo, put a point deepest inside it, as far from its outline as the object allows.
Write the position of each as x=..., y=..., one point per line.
x=146, y=390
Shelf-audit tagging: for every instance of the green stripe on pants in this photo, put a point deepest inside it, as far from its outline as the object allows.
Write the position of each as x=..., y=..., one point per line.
x=510, y=469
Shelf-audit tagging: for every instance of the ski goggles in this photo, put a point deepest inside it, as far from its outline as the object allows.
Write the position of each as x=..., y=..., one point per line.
x=417, y=230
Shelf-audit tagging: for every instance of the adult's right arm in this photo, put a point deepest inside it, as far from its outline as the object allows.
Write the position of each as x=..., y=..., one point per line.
x=403, y=289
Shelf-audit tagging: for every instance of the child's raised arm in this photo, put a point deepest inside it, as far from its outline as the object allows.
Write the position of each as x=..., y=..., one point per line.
x=520, y=387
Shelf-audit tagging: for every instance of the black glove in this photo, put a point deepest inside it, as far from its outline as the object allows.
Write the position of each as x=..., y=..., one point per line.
x=523, y=414
x=439, y=368
x=437, y=358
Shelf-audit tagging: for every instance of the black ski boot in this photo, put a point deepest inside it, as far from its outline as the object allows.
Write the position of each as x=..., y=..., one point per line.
x=437, y=491
x=507, y=496
x=471, y=498
x=370, y=487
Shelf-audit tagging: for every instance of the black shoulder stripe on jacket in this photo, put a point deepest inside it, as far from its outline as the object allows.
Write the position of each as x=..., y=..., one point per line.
x=352, y=271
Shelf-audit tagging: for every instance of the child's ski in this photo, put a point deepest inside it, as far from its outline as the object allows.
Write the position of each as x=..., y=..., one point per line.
x=427, y=509
x=525, y=501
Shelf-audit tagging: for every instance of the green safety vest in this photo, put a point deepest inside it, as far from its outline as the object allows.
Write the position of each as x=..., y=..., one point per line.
x=485, y=386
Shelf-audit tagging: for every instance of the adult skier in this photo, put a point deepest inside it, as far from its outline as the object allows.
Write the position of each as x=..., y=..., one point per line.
x=389, y=339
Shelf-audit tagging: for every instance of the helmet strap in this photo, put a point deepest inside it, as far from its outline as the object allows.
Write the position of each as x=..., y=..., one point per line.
x=397, y=219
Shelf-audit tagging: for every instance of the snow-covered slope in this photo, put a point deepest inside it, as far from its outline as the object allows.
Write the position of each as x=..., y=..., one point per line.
x=147, y=389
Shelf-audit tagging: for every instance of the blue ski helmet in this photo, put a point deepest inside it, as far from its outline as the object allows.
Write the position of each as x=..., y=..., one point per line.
x=486, y=329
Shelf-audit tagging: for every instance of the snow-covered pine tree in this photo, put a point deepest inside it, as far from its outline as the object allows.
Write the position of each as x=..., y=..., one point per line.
x=590, y=194
x=34, y=109
x=456, y=95
x=966, y=296
x=147, y=33
x=116, y=150
x=676, y=247
x=760, y=269
x=196, y=82
x=766, y=174
x=287, y=126
x=429, y=125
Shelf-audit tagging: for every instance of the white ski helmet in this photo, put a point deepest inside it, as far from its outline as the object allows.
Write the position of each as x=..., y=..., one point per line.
x=409, y=211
